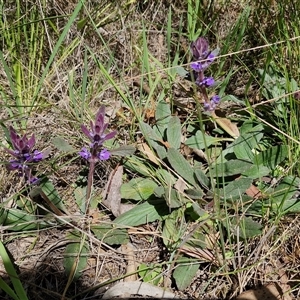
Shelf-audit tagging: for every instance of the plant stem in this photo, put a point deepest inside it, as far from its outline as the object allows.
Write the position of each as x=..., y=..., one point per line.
x=89, y=185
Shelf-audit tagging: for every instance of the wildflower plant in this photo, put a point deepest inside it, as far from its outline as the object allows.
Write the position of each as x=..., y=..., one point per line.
x=24, y=155
x=203, y=58
x=96, y=151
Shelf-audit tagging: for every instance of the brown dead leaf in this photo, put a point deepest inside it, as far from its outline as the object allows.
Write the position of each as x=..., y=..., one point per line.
x=180, y=185
x=254, y=192
x=144, y=148
x=112, y=194
x=227, y=125
x=268, y=292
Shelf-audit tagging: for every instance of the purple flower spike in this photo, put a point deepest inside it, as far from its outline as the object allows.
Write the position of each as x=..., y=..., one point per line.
x=97, y=136
x=24, y=155
x=200, y=48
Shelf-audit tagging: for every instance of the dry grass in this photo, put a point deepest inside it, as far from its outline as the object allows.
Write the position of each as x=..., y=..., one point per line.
x=39, y=255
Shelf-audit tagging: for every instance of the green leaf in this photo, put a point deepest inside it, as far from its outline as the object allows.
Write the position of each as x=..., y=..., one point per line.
x=10, y=270
x=137, y=165
x=110, y=234
x=138, y=189
x=236, y=188
x=165, y=176
x=272, y=156
x=125, y=150
x=174, y=228
x=230, y=168
x=256, y=171
x=181, y=166
x=18, y=220
x=199, y=140
x=154, y=140
x=80, y=198
x=149, y=211
x=8, y=290
x=287, y=188
x=62, y=145
x=195, y=194
x=173, y=198
x=76, y=254
x=151, y=273
x=51, y=193
x=202, y=178
x=163, y=113
x=185, y=273
x=245, y=227
x=174, y=133
x=244, y=145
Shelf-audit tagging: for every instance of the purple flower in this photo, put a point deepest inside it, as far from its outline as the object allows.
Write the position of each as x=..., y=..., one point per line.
x=202, y=55
x=212, y=104
x=84, y=153
x=97, y=136
x=215, y=99
x=200, y=48
x=24, y=154
x=207, y=82
x=104, y=155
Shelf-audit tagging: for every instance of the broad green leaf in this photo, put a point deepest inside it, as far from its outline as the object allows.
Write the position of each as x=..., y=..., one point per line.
x=148, y=132
x=236, y=188
x=125, y=150
x=199, y=140
x=181, y=166
x=51, y=193
x=163, y=113
x=26, y=204
x=272, y=156
x=230, y=168
x=256, y=171
x=10, y=270
x=196, y=212
x=138, y=189
x=173, y=198
x=185, y=272
x=151, y=273
x=80, y=198
x=202, y=178
x=245, y=227
x=110, y=234
x=291, y=206
x=149, y=211
x=181, y=71
x=62, y=145
x=174, y=132
x=195, y=194
x=75, y=255
x=165, y=176
x=174, y=228
x=138, y=166
x=154, y=139
x=284, y=192
x=18, y=220
x=244, y=145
